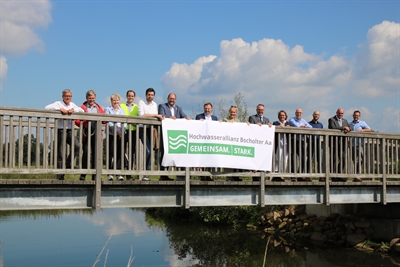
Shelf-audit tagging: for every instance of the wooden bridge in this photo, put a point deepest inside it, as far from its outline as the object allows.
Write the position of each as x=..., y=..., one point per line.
x=331, y=160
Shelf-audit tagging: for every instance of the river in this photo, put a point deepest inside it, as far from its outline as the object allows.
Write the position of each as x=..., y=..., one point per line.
x=131, y=237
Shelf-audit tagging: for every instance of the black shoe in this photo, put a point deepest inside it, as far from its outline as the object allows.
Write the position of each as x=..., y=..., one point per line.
x=165, y=178
x=83, y=177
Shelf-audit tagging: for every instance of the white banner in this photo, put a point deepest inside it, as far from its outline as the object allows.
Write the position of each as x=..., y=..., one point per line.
x=193, y=143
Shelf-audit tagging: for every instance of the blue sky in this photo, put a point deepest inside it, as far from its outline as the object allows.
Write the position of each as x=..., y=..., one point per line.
x=285, y=54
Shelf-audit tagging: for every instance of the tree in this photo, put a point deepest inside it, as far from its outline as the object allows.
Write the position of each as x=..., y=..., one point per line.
x=239, y=102
x=32, y=150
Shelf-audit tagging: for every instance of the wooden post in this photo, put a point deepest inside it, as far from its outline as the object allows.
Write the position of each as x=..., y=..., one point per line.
x=99, y=167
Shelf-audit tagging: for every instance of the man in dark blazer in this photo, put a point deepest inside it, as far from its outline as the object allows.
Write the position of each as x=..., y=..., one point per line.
x=259, y=118
x=172, y=111
x=207, y=113
x=206, y=116
x=339, y=123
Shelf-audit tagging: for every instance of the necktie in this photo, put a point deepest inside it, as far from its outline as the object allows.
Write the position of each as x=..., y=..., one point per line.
x=261, y=120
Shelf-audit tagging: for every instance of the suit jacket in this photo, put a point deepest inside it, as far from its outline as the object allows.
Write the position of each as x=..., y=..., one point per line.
x=333, y=123
x=163, y=109
x=203, y=116
x=254, y=119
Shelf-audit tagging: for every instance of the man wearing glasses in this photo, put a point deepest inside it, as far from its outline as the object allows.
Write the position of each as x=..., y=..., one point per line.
x=66, y=107
x=259, y=117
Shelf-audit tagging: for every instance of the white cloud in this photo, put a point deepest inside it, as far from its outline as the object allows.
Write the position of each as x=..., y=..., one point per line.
x=264, y=71
x=18, y=21
x=389, y=120
x=269, y=71
x=377, y=74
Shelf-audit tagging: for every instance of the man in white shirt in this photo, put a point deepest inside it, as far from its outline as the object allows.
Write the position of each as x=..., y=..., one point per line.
x=148, y=108
x=66, y=107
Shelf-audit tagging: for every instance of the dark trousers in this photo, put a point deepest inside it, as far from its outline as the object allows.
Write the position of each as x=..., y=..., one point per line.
x=357, y=158
x=300, y=145
x=130, y=148
x=114, y=159
x=338, y=146
x=60, y=148
x=89, y=152
x=146, y=144
x=315, y=152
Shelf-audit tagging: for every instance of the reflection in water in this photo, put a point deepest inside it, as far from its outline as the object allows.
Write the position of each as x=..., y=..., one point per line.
x=77, y=238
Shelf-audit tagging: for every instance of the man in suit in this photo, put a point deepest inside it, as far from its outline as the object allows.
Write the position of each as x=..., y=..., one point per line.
x=337, y=122
x=172, y=111
x=259, y=118
x=207, y=113
x=206, y=116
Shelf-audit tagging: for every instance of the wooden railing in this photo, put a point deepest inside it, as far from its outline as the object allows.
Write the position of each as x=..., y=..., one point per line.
x=30, y=141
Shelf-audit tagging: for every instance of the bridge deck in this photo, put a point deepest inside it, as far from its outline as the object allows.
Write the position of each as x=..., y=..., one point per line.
x=71, y=194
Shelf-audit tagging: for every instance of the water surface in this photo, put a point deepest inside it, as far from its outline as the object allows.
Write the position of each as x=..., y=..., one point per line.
x=111, y=237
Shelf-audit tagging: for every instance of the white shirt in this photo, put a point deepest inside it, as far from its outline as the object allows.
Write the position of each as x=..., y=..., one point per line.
x=146, y=108
x=58, y=105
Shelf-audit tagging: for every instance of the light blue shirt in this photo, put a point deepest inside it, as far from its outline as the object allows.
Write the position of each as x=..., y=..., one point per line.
x=111, y=125
x=357, y=126
x=294, y=122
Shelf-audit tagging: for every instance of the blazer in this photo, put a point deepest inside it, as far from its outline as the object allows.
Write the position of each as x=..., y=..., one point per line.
x=333, y=123
x=277, y=123
x=203, y=116
x=163, y=109
x=254, y=119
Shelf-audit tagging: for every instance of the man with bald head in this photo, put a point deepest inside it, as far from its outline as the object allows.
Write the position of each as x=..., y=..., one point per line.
x=300, y=146
x=172, y=111
x=338, y=145
x=315, y=144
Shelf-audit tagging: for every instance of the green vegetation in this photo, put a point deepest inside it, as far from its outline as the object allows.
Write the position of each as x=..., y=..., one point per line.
x=240, y=103
x=236, y=216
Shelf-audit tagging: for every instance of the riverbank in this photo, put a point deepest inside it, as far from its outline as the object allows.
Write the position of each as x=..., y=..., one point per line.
x=293, y=227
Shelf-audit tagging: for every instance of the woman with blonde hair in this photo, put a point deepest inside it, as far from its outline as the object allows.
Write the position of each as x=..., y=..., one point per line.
x=116, y=131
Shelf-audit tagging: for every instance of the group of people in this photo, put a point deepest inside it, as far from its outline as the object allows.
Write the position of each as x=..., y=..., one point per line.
x=148, y=108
